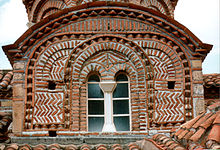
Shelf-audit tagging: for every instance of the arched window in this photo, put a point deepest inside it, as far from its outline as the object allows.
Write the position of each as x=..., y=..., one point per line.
x=121, y=103
x=108, y=104
x=95, y=104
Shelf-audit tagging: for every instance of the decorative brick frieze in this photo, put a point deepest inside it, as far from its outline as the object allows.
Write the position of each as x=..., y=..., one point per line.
x=146, y=20
x=107, y=24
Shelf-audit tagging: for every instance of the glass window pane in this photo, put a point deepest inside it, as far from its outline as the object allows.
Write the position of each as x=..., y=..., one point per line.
x=122, y=123
x=121, y=77
x=96, y=107
x=96, y=124
x=121, y=90
x=94, y=91
x=120, y=107
x=94, y=78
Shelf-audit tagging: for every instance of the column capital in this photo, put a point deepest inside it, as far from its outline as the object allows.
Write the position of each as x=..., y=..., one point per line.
x=107, y=86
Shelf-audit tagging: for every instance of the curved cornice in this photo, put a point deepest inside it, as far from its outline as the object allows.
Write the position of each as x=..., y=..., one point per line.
x=47, y=25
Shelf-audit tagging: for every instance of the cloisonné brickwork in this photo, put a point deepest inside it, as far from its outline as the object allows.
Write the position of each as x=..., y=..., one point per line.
x=53, y=59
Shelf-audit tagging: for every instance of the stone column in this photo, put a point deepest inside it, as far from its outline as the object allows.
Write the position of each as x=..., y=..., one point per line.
x=18, y=96
x=198, y=90
x=108, y=88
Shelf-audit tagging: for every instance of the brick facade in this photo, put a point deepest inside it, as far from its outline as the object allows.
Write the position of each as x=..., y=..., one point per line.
x=161, y=57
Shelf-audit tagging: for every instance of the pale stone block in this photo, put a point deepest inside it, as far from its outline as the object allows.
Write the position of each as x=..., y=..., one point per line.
x=18, y=76
x=18, y=90
x=18, y=115
x=197, y=63
x=19, y=66
x=198, y=90
x=6, y=103
x=197, y=76
x=199, y=106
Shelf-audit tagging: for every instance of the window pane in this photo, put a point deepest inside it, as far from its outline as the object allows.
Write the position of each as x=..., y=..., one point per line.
x=93, y=78
x=121, y=77
x=96, y=123
x=122, y=123
x=121, y=90
x=120, y=107
x=96, y=107
x=94, y=91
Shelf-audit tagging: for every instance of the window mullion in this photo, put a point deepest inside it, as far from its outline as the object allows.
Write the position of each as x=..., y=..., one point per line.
x=108, y=88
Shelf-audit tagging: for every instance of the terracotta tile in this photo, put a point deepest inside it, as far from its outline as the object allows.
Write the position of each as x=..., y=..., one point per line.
x=215, y=133
x=211, y=80
x=208, y=122
x=180, y=136
x=201, y=120
x=162, y=138
x=169, y=143
x=39, y=147
x=214, y=106
x=70, y=147
x=179, y=148
x=217, y=119
x=155, y=136
x=200, y=148
x=190, y=123
x=172, y=146
x=12, y=146
x=197, y=135
x=188, y=135
x=25, y=147
x=179, y=132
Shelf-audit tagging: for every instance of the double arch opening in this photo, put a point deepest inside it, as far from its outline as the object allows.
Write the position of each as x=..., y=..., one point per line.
x=108, y=105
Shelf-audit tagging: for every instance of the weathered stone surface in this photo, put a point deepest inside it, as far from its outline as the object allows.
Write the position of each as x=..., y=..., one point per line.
x=197, y=75
x=196, y=63
x=19, y=66
x=18, y=76
x=18, y=114
x=18, y=90
x=198, y=89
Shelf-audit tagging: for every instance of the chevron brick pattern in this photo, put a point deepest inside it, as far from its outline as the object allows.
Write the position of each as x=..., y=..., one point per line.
x=57, y=69
x=48, y=108
x=160, y=68
x=169, y=107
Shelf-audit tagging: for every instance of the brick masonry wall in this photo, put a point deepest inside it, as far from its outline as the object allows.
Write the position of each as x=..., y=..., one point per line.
x=152, y=51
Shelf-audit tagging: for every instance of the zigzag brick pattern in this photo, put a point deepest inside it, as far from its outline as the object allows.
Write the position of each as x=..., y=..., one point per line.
x=48, y=108
x=160, y=68
x=169, y=107
x=57, y=70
